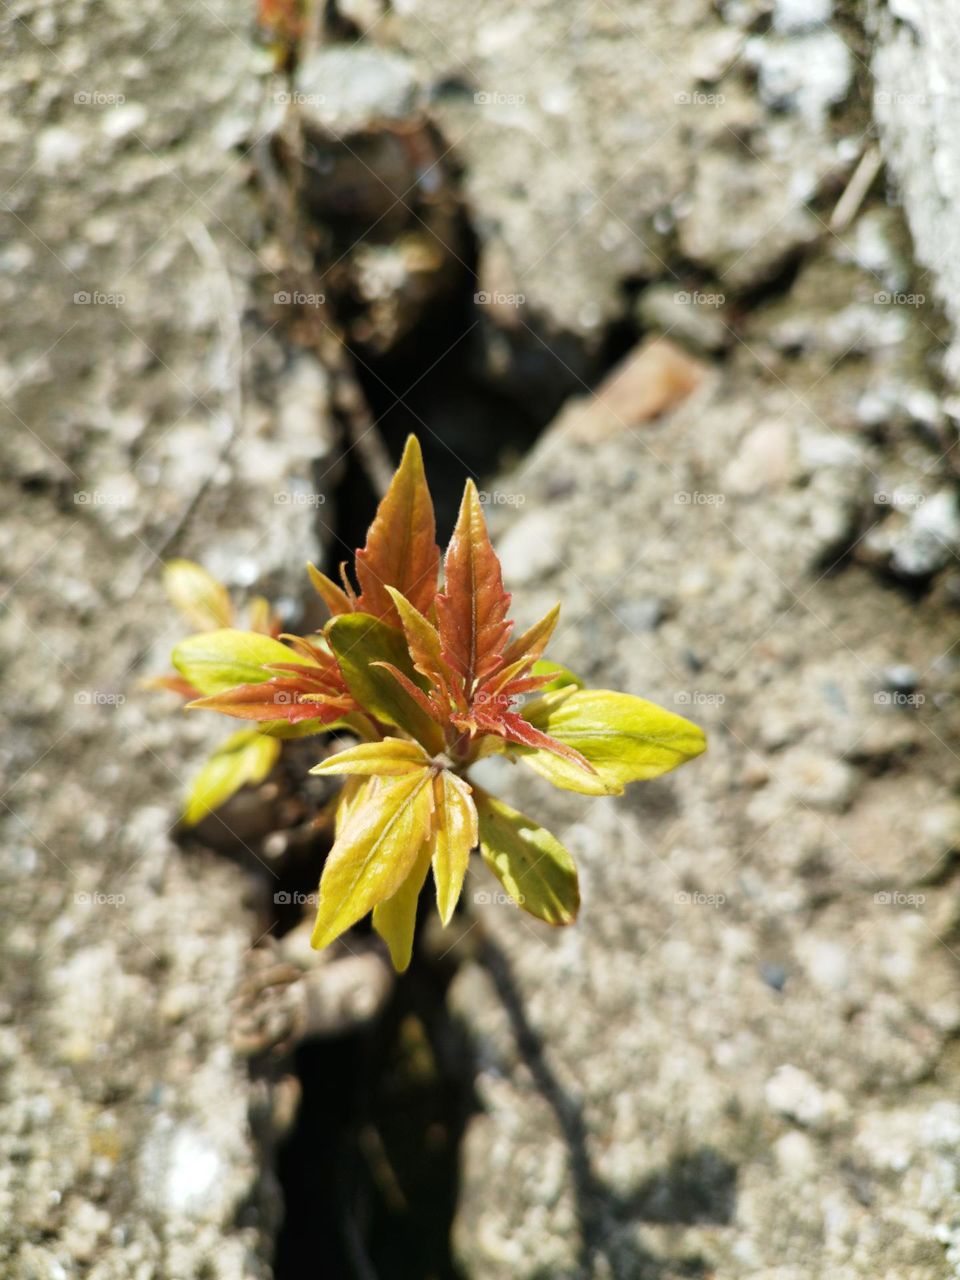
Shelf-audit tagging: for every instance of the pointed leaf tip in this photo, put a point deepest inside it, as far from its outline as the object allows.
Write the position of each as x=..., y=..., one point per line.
x=199, y=596
x=532, y=865
x=375, y=851
x=401, y=549
x=472, y=609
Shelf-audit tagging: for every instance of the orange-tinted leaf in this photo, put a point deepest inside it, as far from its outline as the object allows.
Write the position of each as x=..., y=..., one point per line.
x=401, y=548
x=513, y=727
x=174, y=684
x=334, y=597
x=423, y=641
x=472, y=610
x=311, y=649
x=282, y=698
x=533, y=642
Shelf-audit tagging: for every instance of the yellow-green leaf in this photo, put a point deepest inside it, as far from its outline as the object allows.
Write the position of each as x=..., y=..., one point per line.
x=531, y=864
x=374, y=852
x=245, y=757
x=395, y=919
x=389, y=758
x=354, y=793
x=215, y=661
x=626, y=739
x=358, y=641
x=562, y=677
x=454, y=835
x=198, y=595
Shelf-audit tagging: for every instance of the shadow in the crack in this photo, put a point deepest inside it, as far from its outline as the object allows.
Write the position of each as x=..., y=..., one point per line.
x=695, y=1187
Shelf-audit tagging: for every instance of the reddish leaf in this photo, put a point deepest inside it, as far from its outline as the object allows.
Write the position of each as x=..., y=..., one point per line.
x=401, y=548
x=283, y=698
x=423, y=641
x=513, y=727
x=472, y=610
x=175, y=684
x=307, y=649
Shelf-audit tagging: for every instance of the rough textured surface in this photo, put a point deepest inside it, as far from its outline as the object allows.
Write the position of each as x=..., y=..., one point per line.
x=739, y=1061
x=138, y=418
x=597, y=143
x=914, y=52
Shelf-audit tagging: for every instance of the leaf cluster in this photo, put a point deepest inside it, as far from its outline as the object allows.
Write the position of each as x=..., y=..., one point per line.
x=420, y=664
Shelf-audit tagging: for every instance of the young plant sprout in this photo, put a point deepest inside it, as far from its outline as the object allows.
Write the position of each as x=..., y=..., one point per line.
x=429, y=679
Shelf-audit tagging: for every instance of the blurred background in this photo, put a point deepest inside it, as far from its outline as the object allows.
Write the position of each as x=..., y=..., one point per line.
x=678, y=286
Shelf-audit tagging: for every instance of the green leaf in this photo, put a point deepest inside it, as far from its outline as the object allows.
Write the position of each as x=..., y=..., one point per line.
x=304, y=729
x=374, y=852
x=454, y=835
x=358, y=641
x=214, y=661
x=626, y=739
x=531, y=864
x=562, y=677
x=198, y=595
x=245, y=757
x=396, y=919
x=389, y=758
